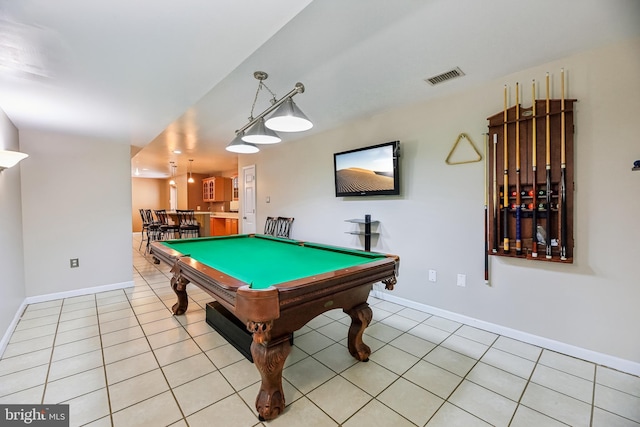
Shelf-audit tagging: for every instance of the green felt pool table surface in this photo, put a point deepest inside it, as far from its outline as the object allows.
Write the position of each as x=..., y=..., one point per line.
x=263, y=261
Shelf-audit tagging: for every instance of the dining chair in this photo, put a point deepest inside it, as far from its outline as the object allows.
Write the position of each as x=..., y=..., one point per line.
x=283, y=227
x=270, y=226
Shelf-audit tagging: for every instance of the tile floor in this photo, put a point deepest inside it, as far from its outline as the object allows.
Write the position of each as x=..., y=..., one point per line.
x=120, y=358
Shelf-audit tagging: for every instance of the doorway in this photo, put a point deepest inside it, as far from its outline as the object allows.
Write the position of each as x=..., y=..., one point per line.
x=249, y=199
x=173, y=198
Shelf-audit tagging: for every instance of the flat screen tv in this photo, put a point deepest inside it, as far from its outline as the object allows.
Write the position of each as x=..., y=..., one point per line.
x=368, y=171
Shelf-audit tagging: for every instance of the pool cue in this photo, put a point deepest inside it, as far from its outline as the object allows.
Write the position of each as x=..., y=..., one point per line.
x=495, y=193
x=563, y=167
x=518, y=199
x=505, y=192
x=486, y=213
x=534, y=167
x=548, y=168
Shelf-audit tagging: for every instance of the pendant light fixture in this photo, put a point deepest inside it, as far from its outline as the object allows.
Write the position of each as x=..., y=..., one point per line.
x=286, y=118
x=241, y=147
x=190, y=180
x=260, y=134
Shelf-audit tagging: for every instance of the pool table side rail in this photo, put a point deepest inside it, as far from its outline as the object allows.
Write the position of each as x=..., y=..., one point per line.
x=348, y=251
x=164, y=253
x=219, y=285
x=383, y=268
x=325, y=286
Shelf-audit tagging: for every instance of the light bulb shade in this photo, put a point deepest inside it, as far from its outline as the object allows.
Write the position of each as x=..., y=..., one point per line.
x=260, y=134
x=172, y=182
x=288, y=118
x=10, y=158
x=191, y=180
x=241, y=147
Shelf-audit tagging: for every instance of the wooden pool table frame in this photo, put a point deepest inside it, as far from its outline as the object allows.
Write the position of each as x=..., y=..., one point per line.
x=274, y=313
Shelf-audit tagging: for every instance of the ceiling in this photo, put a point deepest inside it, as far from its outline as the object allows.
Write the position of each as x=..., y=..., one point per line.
x=161, y=75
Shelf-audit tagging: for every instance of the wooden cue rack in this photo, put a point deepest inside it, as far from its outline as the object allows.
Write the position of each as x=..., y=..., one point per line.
x=525, y=121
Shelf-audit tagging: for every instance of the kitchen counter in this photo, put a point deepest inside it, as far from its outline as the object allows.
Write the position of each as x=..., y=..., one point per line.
x=232, y=215
x=209, y=221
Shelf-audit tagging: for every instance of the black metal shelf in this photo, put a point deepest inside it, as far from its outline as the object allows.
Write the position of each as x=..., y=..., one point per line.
x=367, y=233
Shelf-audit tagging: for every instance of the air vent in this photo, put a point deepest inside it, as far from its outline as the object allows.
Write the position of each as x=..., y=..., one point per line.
x=448, y=75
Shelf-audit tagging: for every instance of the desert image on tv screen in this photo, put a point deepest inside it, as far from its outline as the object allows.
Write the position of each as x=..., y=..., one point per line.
x=365, y=171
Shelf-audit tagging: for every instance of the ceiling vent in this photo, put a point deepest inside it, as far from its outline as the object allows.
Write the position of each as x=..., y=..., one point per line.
x=447, y=75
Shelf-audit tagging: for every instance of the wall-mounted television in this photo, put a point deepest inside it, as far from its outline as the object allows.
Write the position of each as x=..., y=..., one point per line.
x=368, y=171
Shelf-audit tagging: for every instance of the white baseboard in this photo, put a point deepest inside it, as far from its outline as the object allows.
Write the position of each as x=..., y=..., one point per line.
x=50, y=297
x=607, y=360
x=78, y=292
x=12, y=326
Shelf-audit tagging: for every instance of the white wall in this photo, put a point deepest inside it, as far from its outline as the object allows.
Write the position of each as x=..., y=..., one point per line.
x=12, y=286
x=437, y=222
x=76, y=203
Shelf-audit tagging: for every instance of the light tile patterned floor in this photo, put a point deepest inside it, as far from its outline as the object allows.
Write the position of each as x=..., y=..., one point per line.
x=120, y=358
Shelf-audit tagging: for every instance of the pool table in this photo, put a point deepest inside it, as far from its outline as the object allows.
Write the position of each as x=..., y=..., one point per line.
x=275, y=286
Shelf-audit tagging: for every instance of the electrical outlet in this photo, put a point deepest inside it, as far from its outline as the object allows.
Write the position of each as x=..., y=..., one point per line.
x=432, y=275
x=74, y=263
x=462, y=280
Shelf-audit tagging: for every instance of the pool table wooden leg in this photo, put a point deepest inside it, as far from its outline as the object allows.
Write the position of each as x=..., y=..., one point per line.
x=179, y=286
x=361, y=316
x=269, y=358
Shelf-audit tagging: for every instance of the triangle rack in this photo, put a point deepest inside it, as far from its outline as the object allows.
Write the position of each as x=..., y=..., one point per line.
x=460, y=137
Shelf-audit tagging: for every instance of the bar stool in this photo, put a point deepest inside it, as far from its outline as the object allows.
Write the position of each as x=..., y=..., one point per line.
x=165, y=227
x=187, y=223
x=145, y=228
x=153, y=227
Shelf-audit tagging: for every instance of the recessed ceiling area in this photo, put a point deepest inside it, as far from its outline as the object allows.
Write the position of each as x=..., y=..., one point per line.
x=162, y=75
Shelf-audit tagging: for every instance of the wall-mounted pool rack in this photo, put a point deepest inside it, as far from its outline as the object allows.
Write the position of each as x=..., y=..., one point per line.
x=531, y=211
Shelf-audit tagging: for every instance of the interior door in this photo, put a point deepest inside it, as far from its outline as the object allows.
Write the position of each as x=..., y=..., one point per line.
x=249, y=199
